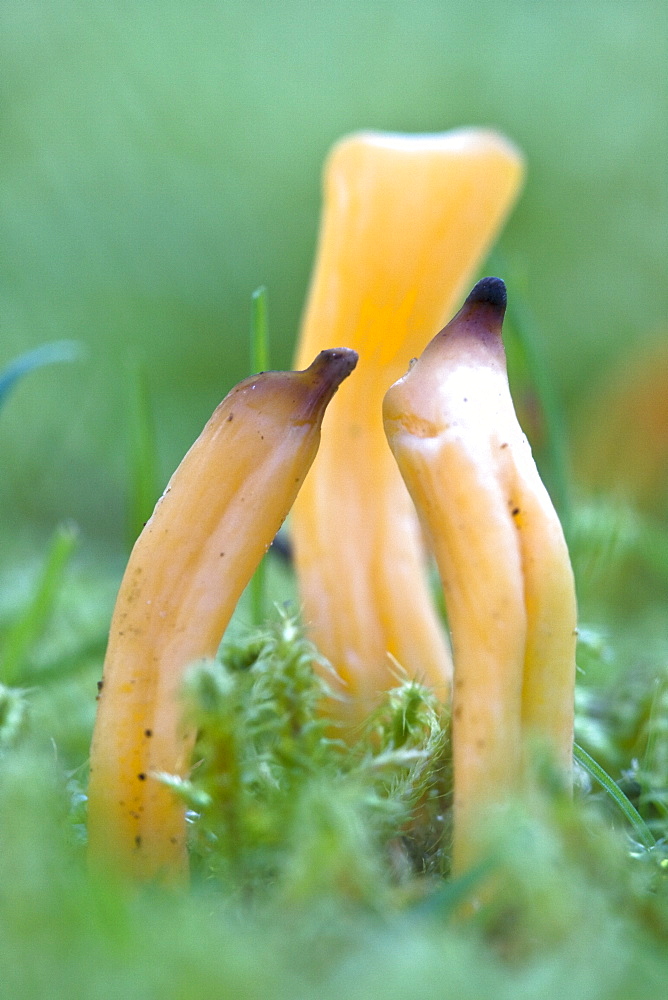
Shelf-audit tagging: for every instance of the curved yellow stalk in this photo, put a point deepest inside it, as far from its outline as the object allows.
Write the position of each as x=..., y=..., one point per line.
x=216, y=519
x=406, y=221
x=501, y=554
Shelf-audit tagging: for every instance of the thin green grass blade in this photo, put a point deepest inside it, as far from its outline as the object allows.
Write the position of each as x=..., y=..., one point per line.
x=31, y=625
x=654, y=723
x=455, y=893
x=259, y=362
x=259, y=335
x=47, y=354
x=525, y=329
x=595, y=770
x=143, y=457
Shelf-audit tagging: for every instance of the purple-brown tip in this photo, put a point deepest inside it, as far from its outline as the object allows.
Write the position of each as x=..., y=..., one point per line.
x=335, y=364
x=489, y=291
x=480, y=319
x=325, y=374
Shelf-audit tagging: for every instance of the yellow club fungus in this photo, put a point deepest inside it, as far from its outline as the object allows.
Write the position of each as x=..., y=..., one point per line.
x=216, y=519
x=406, y=221
x=501, y=555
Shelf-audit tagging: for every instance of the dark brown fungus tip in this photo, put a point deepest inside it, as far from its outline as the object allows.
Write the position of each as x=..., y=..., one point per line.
x=323, y=377
x=489, y=291
x=336, y=362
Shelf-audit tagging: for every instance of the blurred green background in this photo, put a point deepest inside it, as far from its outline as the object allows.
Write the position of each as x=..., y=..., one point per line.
x=160, y=160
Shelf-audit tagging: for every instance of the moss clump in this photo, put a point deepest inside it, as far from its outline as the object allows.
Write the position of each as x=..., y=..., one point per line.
x=275, y=789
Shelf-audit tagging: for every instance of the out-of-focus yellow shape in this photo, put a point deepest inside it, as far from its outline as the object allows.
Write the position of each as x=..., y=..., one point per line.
x=622, y=446
x=406, y=222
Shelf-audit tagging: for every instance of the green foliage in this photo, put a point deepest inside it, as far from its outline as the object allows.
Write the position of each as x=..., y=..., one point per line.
x=572, y=915
x=320, y=867
x=259, y=362
x=54, y=615
x=28, y=628
x=276, y=796
x=13, y=716
x=159, y=163
x=620, y=559
x=626, y=729
x=632, y=815
x=259, y=739
x=144, y=478
x=330, y=859
x=259, y=332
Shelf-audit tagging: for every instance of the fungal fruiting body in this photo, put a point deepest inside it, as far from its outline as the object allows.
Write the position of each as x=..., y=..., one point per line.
x=406, y=220
x=213, y=524
x=502, y=558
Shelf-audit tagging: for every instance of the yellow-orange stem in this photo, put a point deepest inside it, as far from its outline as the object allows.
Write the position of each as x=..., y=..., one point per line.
x=214, y=522
x=502, y=558
x=406, y=221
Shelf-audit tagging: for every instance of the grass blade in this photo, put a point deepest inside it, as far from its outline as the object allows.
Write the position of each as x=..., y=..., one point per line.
x=259, y=362
x=259, y=335
x=523, y=325
x=595, y=770
x=31, y=625
x=143, y=457
x=47, y=354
